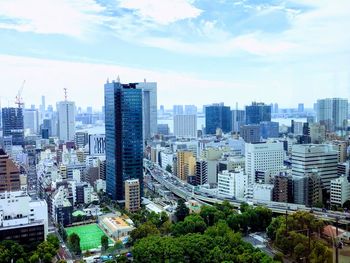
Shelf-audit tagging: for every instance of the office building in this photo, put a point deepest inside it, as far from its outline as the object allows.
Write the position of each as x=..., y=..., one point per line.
x=308, y=157
x=185, y=126
x=124, y=138
x=251, y=133
x=22, y=219
x=340, y=191
x=81, y=139
x=190, y=110
x=186, y=165
x=149, y=108
x=341, y=147
x=257, y=112
x=238, y=119
x=66, y=120
x=9, y=174
x=13, y=125
x=178, y=110
x=301, y=107
x=307, y=189
x=217, y=116
x=269, y=129
x=263, y=192
x=333, y=113
x=317, y=133
x=97, y=144
x=201, y=172
x=264, y=157
x=232, y=184
x=132, y=195
x=283, y=188
x=31, y=120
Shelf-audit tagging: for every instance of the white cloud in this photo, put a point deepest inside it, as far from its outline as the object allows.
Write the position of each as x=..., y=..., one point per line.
x=67, y=17
x=162, y=11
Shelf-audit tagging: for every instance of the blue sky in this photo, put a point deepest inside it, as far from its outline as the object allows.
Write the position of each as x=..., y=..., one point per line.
x=199, y=52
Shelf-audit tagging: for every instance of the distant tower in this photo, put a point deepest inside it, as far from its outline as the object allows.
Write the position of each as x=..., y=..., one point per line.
x=66, y=119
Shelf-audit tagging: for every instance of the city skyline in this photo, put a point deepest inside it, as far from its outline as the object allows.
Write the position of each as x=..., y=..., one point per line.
x=197, y=52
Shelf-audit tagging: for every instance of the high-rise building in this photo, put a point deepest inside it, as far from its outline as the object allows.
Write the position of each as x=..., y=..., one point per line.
x=185, y=126
x=264, y=157
x=333, y=113
x=178, y=110
x=124, y=138
x=201, y=172
x=301, y=107
x=163, y=128
x=308, y=158
x=132, y=195
x=149, y=106
x=269, y=129
x=9, y=174
x=186, y=164
x=283, y=188
x=66, y=120
x=190, y=110
x=81, y=139
x=31, y=120
x=250, y=133
x=238, y=119
x=340, y=191
x=13, y=124
x=232, y=184
x=257, y=112
x=217, y=116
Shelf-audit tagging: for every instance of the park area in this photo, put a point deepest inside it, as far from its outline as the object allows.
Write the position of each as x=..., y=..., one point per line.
x=90, y=235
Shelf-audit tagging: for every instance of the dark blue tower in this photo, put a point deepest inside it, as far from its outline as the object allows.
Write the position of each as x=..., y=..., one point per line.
x=124, y=139
x=257, y=112
x=217, y=116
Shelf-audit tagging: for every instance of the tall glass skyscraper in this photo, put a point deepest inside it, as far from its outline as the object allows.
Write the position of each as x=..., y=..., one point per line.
x=124, y=138
x=13, y=124
x=257, y=112
x=217, y=116
x=333, y=113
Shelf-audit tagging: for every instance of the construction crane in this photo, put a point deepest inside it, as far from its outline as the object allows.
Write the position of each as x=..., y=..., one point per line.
x=19, y=99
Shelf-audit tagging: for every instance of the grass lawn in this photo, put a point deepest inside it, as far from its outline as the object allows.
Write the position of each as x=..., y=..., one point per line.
x=90, y=235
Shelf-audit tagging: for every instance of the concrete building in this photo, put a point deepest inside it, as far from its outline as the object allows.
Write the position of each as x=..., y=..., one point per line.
x=178, y=110
x=22, y=219
x=317, y=133
x=201, y=172
x=81, y=139
x=232, y=184
x=31, y=120
x=333, y=113
x=9, y=174
x=307, y=189
x=132, y=195
x=283, y=188
x=308, y=157
x=265, y=157
x=190, y=110
x=149, y=108
x=185, y=126
x=66, y=120
x=163, y=129
x=263, y=192
x=341, y=147
x=340, y=191
x=250, y=133
x=186, y=165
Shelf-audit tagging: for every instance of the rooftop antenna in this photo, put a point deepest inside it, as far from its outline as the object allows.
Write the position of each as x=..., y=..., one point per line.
x=65, y=94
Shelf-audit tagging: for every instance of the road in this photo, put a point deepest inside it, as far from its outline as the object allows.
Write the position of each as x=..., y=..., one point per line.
x=186, y=191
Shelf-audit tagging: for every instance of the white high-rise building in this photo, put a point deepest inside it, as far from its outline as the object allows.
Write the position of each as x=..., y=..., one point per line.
x=31, y=120
x=333, y=113
x=149, y=105
x=66, y=120
x=340, y=191
x=232, y=184
x=307, y=158
x=178, y=110
x=190, y=110
x=263, y=157
x=185, y=126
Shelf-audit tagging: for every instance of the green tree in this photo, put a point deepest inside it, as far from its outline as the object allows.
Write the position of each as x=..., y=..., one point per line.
x=191, y=224
x=181, y=210
x=211, y=214
x=52, y=239
x=74, y=243
x=104, y=242
x=34, y=258
x=146, y=229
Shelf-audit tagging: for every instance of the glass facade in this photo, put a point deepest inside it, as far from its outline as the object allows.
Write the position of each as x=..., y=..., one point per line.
x=257, y=112
x=217, y=116
x=124, y=139
x=13, y=125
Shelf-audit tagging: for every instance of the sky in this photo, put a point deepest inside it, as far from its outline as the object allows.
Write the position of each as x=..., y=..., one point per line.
x=198, y=51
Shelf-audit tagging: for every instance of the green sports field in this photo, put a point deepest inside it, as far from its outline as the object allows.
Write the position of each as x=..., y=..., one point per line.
x=90, y=235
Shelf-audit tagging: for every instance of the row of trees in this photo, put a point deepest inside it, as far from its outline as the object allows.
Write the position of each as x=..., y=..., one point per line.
x=11, y=251
x=298, y=236
x=210, y=236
